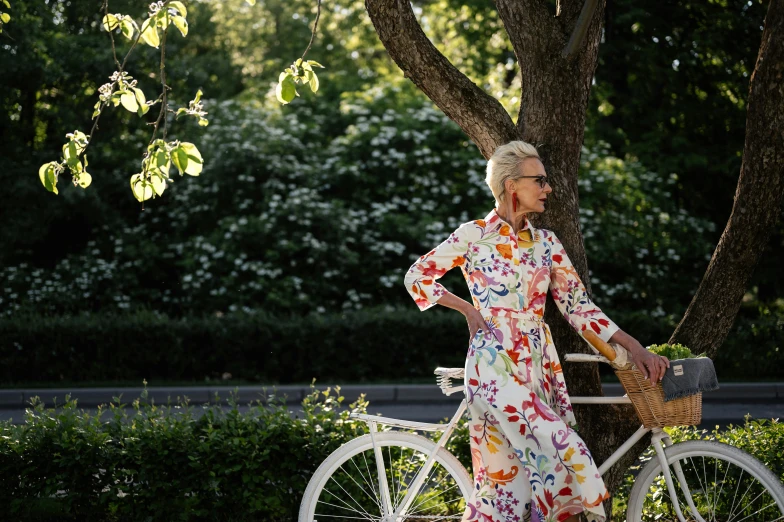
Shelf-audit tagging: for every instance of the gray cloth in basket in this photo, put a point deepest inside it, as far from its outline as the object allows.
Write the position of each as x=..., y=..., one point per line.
x=687, y=377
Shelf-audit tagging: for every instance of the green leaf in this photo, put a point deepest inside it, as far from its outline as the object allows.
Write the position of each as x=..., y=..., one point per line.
x=142, y=190
x=158, y=184
x=179, y=6
x=203, y=122
x=162, y=162
x=286, y=89
x=71, y=155
x=5, y=2
x=192, y=161
x=315, y=64
x=5, y=17
x=110, y=22
x=128, y=27
x=314, y=82
x=84, y=180
x=97, y=108
x=48, y=177
x=180, y=159
x=162, y=18
x=181, y=24
x=142, y=101
x=198, y=96
x=251, y=2
x=128, y=101
x=150, y=34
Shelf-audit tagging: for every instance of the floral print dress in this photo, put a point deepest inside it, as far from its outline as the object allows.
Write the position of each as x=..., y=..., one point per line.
x=529, y=464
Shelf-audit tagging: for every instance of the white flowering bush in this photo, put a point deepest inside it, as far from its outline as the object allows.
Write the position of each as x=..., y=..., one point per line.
x=314, y=209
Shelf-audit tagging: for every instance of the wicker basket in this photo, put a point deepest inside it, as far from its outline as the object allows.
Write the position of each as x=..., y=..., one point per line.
x=649, y=403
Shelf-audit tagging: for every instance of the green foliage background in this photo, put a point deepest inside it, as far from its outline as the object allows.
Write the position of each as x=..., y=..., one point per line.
x=321, y=206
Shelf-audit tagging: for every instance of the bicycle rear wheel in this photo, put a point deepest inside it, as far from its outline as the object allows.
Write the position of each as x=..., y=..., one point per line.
x=725, y=484
x=347, y=487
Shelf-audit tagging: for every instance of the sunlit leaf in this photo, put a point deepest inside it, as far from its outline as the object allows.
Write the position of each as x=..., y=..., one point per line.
x=181, y=24
x=314, y=64
x=5, y=3
x=141, y=100
x=251, y=2
x=158, y=184
x=110, y=22
x=203, y=122
x=150, y=34
x=286, y=89
x=142, y=190
x=198, y=96
x=179, y=6
x=84, y=180
x=127, y=27
x=128, y=101
x=192, y=162
x=48, y=177
x=314, y=82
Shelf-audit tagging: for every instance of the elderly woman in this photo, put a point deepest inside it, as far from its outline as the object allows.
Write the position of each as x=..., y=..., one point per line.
x=528, y=462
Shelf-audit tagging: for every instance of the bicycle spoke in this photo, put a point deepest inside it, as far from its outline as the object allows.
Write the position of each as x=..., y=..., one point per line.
x=362, y=488
x=432, y=497
x=349, y=495
x=758, y=511
x=732, y=508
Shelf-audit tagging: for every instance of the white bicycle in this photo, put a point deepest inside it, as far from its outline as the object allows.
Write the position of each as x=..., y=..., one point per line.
x=394, y=476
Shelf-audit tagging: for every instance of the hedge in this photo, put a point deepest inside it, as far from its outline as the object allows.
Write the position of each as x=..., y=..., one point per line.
x=362, y=346
x=168, y=463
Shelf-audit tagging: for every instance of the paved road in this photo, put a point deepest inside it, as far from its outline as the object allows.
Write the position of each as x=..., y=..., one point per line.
x=713, y=413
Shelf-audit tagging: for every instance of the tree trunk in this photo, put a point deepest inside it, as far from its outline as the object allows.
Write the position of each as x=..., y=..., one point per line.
x=757, y=204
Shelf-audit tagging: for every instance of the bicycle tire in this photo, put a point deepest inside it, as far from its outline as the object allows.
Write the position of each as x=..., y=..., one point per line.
x=645, y=499
x=360, y=446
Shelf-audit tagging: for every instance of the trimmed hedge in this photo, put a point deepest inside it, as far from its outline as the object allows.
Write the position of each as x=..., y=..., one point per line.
x=356, y=346
x=167, y=463
x=364, y=346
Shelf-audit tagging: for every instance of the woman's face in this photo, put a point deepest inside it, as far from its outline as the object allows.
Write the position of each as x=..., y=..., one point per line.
x=532, y=188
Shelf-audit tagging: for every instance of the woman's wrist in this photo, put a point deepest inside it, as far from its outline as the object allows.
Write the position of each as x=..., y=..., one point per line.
x=629, y=343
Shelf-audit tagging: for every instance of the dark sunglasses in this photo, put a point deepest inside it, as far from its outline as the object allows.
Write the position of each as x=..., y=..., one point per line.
x=541, y=180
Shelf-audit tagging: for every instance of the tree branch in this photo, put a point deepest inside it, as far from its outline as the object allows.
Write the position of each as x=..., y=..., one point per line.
x=580, y=28
x=480, y=115
x=757, y=204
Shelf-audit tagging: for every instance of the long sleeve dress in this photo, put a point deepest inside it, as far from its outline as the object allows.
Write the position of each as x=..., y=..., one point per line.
x=528, y=462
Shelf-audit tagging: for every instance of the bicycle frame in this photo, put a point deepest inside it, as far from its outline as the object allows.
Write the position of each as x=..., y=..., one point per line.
x=659, y=440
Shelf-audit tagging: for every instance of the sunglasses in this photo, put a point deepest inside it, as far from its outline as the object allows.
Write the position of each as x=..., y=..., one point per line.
x=541, y=180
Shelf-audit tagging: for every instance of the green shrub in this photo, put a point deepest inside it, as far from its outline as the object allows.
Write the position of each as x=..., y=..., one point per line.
x=169, y=463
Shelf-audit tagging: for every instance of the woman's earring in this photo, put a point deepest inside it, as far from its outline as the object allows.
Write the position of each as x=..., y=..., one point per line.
x=514, y=202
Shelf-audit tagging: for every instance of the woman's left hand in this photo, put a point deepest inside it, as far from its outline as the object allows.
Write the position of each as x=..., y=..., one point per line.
x=651, y=365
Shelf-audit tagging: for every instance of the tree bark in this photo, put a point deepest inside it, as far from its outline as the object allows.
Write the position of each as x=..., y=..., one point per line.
x=757, y=204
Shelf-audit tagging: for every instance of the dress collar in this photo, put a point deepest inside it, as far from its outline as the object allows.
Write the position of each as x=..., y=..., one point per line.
x=494, y=222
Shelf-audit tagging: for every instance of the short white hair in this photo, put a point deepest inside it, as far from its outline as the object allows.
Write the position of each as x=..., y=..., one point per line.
x=505, y=163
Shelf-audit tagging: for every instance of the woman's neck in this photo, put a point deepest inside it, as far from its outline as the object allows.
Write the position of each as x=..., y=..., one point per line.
x=517, y=222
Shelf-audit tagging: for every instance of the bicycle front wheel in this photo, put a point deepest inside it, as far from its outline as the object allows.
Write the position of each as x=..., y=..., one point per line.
x=725, y=484
x=348, y=485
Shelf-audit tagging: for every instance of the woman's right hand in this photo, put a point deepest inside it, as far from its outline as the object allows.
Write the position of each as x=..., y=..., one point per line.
x=475, y=322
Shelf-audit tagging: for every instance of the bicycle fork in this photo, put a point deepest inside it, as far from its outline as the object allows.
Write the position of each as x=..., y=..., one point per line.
x=660, y=440
x=395, y=515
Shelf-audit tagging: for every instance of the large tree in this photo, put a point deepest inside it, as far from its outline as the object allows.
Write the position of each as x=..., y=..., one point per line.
x=556, y=48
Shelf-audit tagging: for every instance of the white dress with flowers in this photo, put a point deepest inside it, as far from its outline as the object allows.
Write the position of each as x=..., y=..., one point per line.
x=528, y=462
